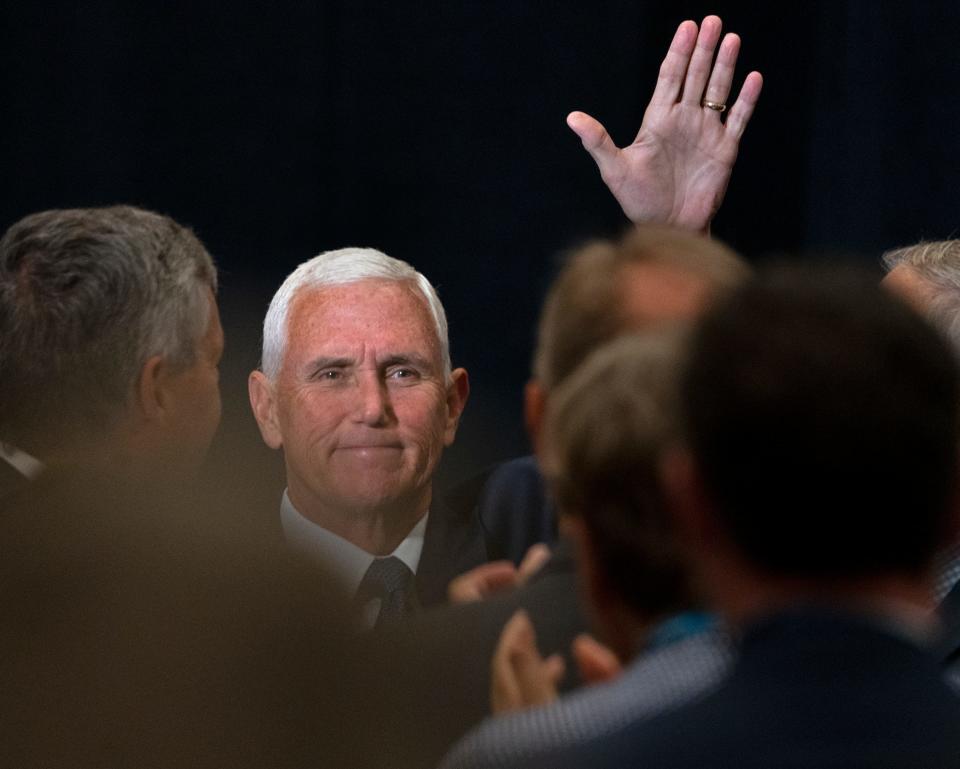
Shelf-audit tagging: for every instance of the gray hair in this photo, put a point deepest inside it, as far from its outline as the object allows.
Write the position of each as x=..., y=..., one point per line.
x=86, y=297
x=608, y=424
x=937, y=263
x=339, y=268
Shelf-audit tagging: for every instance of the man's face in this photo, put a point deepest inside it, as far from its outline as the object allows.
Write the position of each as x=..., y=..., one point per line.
x=198, y=392
x=360, y=405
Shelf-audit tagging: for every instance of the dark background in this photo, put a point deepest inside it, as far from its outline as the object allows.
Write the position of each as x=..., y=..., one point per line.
x=435, y=131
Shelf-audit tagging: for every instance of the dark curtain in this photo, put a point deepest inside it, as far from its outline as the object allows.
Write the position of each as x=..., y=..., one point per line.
x=435, y=131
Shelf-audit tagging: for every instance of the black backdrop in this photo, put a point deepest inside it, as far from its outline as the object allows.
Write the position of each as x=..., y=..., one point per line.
x=435, y=131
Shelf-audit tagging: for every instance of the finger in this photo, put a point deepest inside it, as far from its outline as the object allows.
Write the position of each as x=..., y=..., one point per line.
x=595, y=662
x=742, y=110
x=482, y=581
x=700, y=61
x=595, y=140
x=674, y=66
x=505, y=691
x=721, y=79
x=538, y=679
x=533, y=561
x=554, y=667
x=517, y=632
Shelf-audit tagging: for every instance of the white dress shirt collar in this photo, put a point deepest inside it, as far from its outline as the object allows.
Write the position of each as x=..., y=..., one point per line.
x=347, y=561
x=29, y=467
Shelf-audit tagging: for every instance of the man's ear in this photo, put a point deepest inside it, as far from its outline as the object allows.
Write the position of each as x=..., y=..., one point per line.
x=457, y=393
x=534, y=412
x=687, y=499
x=594, y=582
x=153, y=396
x=604, y=606
x=263, y=402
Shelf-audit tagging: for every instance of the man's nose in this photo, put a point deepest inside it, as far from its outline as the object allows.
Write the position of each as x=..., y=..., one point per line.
x=373, y=408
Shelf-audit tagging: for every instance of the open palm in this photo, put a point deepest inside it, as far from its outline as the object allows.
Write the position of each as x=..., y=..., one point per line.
x=677, y=169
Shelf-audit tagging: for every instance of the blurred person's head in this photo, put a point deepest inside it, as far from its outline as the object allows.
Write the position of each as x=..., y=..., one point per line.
x=356, y=388
x=138, y=630
x=109, y=336
x=652, y=275
x=821, y=417
x=607, y=427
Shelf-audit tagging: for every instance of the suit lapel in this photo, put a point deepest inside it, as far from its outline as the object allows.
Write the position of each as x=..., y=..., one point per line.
x=453, y=543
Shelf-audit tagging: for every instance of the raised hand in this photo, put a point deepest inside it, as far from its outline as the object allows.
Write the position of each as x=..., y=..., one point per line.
x=677, y=169
x=520, y=677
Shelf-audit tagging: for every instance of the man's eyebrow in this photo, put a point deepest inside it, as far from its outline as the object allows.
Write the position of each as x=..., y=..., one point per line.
x=328, y=362
x=408, y=359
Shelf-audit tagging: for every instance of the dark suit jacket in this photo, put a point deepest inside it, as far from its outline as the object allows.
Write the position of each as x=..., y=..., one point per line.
x=437, y=664
x=11, y=480
x=496, y=515
x=949, y=644
x=452, y=544
x=810, y=689
x=454, y=541
x=510, y=502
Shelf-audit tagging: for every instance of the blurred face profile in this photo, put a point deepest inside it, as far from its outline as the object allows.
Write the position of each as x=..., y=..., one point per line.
x=361, y=405
x=196, y=390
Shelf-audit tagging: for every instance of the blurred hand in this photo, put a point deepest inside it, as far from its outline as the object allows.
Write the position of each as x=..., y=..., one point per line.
x=496, y=577
x=520, y=677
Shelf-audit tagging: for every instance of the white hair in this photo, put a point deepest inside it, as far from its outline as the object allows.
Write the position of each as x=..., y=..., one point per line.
x=339, y=268
x=937, y=264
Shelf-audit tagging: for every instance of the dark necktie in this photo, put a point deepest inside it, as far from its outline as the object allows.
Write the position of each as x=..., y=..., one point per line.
x=390, y=580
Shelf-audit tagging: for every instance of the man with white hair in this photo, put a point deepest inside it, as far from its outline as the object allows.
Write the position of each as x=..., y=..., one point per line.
x=356, y=384
x=357, y=388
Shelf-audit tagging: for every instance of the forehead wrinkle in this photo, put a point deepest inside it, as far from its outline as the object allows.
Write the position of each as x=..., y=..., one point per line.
x=327, y=316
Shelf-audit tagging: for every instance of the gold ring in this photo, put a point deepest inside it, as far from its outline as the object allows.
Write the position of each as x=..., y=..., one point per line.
x=717, y=106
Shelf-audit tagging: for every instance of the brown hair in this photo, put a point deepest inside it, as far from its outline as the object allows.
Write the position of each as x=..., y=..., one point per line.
x=585, y=308
x=606, y=429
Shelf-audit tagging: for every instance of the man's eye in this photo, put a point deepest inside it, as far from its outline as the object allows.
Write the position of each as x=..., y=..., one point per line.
x=403, y=372
x=328, y=375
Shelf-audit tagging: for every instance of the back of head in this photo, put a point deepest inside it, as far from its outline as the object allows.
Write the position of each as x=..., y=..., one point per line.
x=589, y=303
x=86, y=296
x=607, y=427
x=822, y=414
x=139, y=630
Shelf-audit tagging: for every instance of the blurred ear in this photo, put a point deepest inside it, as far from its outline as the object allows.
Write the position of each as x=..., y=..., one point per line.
x=154, y=393
x=687, y=499
x=534, y=412
x=606, y=610
x=264, y=404
x=457, y=393
x=594, y=583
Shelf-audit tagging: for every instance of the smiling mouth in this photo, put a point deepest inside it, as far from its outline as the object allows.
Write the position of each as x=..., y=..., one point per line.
x=372, y=447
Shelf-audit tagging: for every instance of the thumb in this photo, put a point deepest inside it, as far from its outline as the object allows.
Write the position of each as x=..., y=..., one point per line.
x=595, y=662
x=595, y=140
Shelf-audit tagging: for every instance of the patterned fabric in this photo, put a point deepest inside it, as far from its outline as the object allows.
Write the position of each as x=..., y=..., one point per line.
x=948, y=572
x=390, y=580
x=665, y=678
